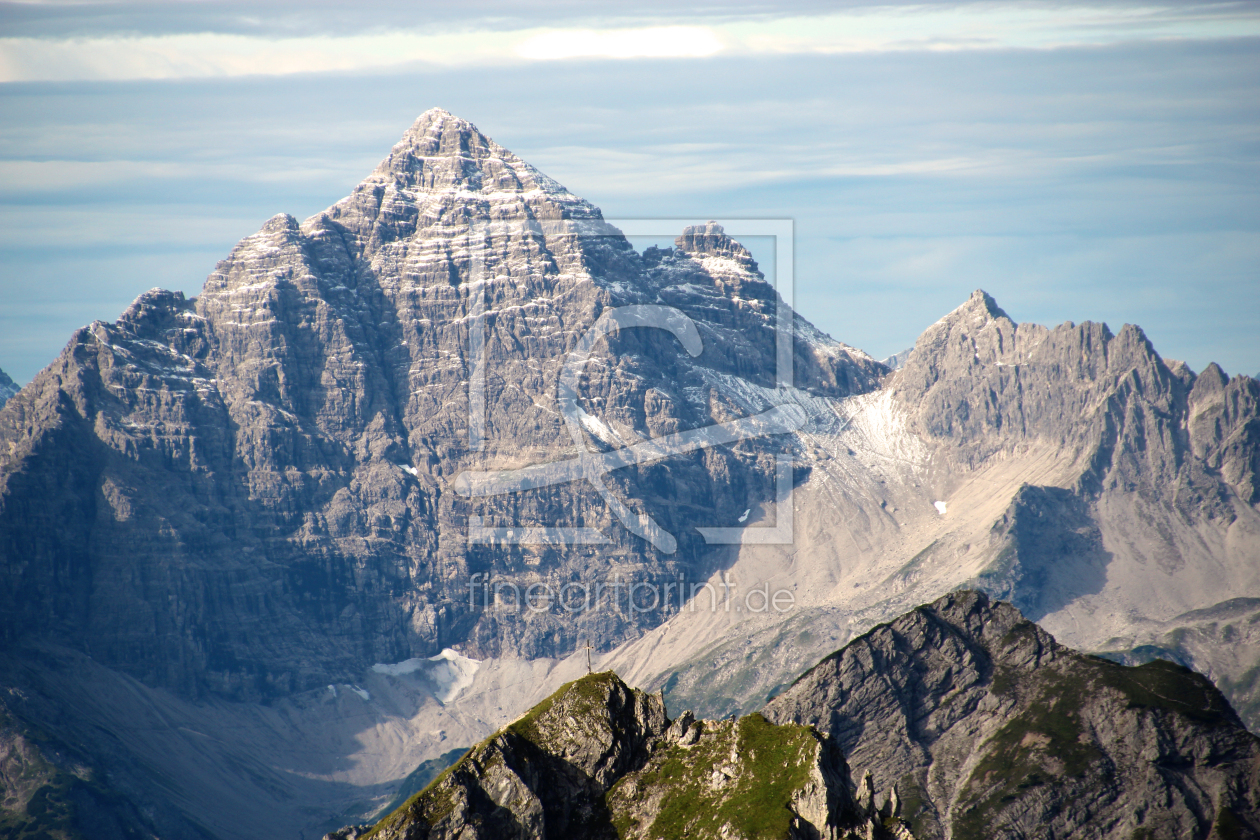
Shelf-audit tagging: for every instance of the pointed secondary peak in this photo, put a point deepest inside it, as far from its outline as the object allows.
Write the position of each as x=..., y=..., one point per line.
x=1212, y=379
x=978, y=310
x=983, y=302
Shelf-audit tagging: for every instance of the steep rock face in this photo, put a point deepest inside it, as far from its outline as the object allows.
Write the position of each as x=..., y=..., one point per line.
x=598, y=759
x=979, y=384
x=989, y=728
x=254, y=492
x=1224, y=428
x=983, y=382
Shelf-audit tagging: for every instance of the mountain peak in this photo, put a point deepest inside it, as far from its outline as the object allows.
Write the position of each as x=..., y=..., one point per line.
x=442, y=152
x=437, y=122
x=979, y=308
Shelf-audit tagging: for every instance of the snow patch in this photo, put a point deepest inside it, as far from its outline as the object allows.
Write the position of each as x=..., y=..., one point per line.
x=940, y=507
x=450, y=672
x=744, y=517
x=600, y=429
x=453, y=673
x=876, y=429
x=409, y=470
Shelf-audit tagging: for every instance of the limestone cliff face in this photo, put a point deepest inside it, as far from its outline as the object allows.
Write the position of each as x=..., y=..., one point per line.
x=252, y=492
x=989, y=728
x=979, y=384
x=984, y=384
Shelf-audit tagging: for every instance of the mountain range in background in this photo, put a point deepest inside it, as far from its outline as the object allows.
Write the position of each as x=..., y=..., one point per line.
x=7, y=388
x=249, y=584
x=897, y=360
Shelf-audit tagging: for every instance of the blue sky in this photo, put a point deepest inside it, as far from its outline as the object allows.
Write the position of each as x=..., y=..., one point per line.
x=1078, y=161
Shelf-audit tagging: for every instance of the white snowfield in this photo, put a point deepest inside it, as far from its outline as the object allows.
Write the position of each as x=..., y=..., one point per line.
x=449, y=671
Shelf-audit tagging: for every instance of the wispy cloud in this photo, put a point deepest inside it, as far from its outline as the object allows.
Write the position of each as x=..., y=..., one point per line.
x=234, y=44
x=919, y=151
x=650, y=42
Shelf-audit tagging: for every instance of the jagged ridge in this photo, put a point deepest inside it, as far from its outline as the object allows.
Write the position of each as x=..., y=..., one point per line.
x=988, y=727
x=598, y=759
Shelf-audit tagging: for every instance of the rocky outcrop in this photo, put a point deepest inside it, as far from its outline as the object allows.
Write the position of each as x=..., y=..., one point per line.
x=598, y=759
x=546, y=774
x=988, y=728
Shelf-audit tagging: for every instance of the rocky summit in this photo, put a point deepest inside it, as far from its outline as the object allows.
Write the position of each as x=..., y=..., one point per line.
x=600, y=760
x=987, y=727
x=272, y=555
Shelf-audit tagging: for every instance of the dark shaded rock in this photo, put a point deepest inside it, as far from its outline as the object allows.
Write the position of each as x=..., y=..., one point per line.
x=1053, y=552
x=989, y=728
x=50, y=787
